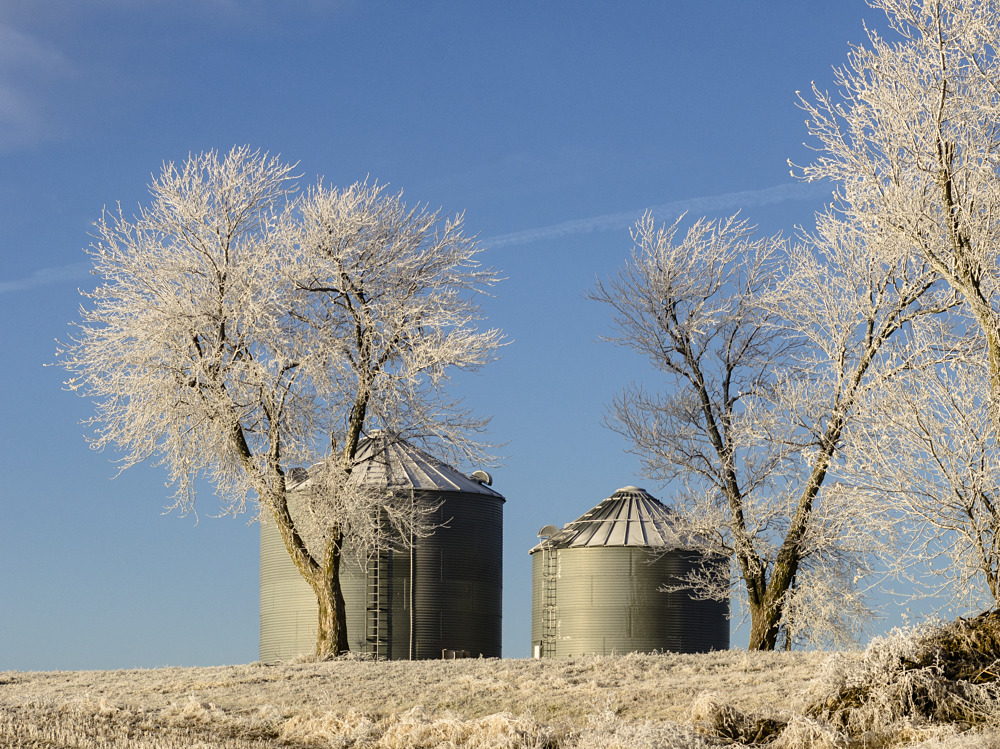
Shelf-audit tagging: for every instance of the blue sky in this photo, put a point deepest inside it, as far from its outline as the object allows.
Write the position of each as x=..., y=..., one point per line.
x=551, y=125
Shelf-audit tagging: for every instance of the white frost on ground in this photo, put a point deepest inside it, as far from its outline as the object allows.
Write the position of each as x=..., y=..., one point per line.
x=634, y=701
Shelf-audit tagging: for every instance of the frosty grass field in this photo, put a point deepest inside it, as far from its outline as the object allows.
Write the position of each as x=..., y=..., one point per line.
x=617, y=701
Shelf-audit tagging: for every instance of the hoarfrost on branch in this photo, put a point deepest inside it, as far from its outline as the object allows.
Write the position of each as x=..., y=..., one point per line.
x=243, y=328
x=770, y=349
x=912, y=138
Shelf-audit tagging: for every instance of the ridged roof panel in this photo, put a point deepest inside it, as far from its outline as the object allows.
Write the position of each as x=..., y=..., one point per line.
x=388, y=460
x=391, y=461
x=629, y=517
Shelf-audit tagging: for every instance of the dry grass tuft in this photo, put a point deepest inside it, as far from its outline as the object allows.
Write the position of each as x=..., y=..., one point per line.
x=805, y=733
x=726, y=721
x=416, y=729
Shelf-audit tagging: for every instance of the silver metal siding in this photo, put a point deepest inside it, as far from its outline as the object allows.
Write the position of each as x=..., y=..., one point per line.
x=457, y=596
x=607, y=601
x=354, y=585
x=288, y=612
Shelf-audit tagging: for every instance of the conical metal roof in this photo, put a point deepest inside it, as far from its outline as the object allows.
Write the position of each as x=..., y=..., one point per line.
x=385, y=459
x=629, y=517
x=388, y=460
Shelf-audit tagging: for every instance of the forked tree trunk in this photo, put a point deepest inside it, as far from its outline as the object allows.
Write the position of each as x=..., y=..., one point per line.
x=765, y=597
x=767, y=608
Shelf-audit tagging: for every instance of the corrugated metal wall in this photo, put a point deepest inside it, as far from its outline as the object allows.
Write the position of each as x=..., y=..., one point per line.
x=606, y=600
x=288, y=613
x=457, y=594
x=394, y=618
x=459, y=578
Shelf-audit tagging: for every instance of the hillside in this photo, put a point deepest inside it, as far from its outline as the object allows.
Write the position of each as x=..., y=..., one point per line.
x=621, y=701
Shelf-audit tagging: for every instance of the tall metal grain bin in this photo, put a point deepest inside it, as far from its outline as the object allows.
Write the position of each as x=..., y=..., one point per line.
x=443, y=593
x=595, y=585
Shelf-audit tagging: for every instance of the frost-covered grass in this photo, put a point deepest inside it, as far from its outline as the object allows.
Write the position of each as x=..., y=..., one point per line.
x=630, y=701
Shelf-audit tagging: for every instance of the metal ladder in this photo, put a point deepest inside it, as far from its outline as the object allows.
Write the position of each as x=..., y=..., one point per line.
x=550, y=572
x=378, y=603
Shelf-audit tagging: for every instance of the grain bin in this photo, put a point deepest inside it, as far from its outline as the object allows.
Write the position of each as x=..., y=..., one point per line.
x=443, y=593
x=595, y=584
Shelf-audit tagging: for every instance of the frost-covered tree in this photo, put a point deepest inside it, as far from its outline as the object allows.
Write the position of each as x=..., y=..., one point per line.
x=912, y=137
x=932, y=451
x=768, y=351
x=241, y=329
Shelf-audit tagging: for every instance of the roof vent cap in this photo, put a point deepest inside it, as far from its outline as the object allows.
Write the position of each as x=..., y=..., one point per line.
x=482, y=477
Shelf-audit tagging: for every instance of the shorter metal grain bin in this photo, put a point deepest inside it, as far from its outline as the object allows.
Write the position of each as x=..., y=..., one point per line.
x=595, y=584
x=444, y=593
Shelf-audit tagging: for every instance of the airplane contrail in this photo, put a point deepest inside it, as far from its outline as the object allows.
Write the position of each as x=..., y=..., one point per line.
x=728, y=201
x=666, y=211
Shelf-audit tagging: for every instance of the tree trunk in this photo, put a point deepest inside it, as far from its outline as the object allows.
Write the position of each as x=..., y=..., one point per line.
x=331, y=632
x=765, y=621
x=767, y=610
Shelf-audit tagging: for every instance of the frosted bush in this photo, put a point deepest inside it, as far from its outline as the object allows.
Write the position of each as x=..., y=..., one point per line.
x=879, y=663
x=917, y=677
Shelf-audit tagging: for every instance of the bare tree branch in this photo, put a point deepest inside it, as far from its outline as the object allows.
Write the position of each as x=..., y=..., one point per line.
x=243, y=329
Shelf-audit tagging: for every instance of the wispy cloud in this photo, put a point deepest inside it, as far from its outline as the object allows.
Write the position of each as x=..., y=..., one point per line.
x=731, y=201
x=47, y=276
x=27, y=64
